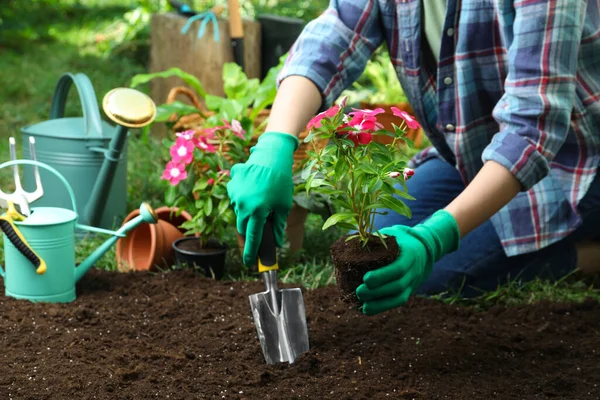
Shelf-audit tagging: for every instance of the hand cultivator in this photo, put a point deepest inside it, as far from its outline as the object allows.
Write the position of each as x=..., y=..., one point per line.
x=22, y=198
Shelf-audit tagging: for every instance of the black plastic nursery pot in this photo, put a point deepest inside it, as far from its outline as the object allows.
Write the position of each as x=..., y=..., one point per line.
x=210, y=259
x=278, y=34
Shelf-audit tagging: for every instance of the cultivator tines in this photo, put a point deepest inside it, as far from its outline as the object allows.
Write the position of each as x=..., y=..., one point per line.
x=21, y=197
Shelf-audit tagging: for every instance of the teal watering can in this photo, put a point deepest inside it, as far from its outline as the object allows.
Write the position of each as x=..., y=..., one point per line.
x=89, y=152
x=49, y=234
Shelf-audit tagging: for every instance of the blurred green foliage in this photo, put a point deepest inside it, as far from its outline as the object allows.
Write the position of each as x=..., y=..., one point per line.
x=23, y=23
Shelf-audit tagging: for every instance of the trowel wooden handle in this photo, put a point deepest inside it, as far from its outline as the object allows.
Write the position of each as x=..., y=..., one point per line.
x=267, y=251
x=236, y=29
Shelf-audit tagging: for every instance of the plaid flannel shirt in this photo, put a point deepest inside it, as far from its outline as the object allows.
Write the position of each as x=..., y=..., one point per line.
x=518, y=82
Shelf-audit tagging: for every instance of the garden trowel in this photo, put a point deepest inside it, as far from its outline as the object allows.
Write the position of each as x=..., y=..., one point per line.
x=279, y=314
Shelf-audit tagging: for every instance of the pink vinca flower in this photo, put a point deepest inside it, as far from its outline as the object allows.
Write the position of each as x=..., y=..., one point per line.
x=394, y=174
x=188, y=135
x=365, y=122
x=408, y=172
x=316, y=121
x=209, y=133
x=236, y=128
x=411, y=122
x=174, y=172
x=182, y=151
x=224, y=172
x=205, y=146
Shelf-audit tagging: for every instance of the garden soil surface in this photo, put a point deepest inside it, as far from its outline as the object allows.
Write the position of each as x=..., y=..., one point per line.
x=181, y=336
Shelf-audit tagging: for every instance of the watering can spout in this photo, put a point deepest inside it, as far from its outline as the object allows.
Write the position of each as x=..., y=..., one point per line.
x=129, y=108
x=147, y=215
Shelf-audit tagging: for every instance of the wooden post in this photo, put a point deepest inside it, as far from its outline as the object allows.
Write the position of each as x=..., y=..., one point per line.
x=202, y=57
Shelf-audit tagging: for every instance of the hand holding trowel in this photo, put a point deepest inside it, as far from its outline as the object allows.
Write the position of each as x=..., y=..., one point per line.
x=279, y=314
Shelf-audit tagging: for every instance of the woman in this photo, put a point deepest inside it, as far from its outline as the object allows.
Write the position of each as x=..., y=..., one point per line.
x=508, y=93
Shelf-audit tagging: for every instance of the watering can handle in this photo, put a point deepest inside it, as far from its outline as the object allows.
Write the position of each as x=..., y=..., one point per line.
x=48, y=168
x=87, y=96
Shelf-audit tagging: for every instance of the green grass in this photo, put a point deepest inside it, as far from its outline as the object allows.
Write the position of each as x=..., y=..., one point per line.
x=29, y=75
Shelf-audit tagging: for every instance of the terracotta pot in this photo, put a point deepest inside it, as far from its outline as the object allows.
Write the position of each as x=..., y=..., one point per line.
x=386, y=119
x=150, y=244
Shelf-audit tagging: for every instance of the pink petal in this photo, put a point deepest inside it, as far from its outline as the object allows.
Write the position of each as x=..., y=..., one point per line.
x=316, y=121
x=364, y=138
x=411, y=122
x=204, y=145
x=187, y=135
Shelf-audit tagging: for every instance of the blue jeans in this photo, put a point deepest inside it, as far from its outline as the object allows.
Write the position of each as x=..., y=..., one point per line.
x=480, y=263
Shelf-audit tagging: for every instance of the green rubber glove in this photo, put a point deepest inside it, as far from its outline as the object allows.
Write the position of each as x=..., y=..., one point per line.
x=262, y=185
x=420, y=247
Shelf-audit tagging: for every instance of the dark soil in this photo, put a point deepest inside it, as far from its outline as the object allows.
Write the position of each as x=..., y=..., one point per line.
x=352, y=261
x=179, y=335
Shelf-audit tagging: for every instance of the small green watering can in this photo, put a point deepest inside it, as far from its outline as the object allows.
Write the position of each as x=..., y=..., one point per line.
x=50, y=233
x=89, y=152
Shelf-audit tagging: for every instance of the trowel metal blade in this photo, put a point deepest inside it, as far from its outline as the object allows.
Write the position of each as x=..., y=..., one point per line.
x=283, y=337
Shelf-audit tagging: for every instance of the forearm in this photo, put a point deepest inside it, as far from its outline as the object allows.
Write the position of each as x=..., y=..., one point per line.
x=298, y=100
x=492, y=188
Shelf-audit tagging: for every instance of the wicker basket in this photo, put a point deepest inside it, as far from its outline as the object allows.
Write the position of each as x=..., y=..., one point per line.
x=195, y=122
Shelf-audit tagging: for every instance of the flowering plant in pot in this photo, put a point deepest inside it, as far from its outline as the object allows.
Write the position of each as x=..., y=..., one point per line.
x=198, y=173
x=362, y=178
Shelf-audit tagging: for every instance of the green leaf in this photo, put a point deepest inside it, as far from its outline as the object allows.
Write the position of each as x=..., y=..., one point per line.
x=341, y=169
x=308, y=168
x=170, y=195
x=340, y=217
x=208, y=206
x=319, y=182
x=214, y=102
x=403, y=194
x=346, y=225
x=351, y=237
x=223, y=205
x=368, y=168
x=375, y=185
x=232, y=109
x=164, y=111
x=265, y=95
x=200, y=203
x=341, y=203
x=190, y=79
x=200, y=185
x=395, y=205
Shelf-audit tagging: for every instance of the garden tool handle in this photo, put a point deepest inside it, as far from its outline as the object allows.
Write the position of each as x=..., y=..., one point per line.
x=236, y=28
x=267, y=251
x=18, y=240
x=236, y=32
x=89, y=104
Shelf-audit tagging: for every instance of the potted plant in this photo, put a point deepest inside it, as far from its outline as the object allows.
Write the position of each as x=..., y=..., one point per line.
x=379, y=87
x=247, y=101
x=361, y=178
x=198, y=173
